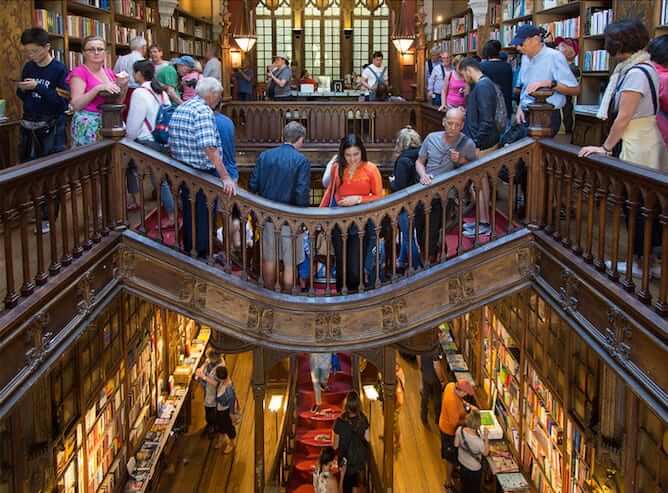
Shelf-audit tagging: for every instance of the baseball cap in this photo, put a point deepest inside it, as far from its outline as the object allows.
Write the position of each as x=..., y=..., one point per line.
x=283, y=56
x=465, y=386
x=186, y=60
x=523, y=32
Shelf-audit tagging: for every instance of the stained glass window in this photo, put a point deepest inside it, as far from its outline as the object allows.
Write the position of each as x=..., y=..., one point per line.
x=371, y=32
x=274, y=34
x=322, y=39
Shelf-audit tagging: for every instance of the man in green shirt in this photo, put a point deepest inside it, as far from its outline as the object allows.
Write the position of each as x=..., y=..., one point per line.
x=166, y=74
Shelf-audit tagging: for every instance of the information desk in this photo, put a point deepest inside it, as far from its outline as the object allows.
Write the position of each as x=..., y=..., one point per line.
x=155, y=441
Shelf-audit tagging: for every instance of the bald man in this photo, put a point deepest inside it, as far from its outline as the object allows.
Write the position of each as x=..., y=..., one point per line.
x=441, y=152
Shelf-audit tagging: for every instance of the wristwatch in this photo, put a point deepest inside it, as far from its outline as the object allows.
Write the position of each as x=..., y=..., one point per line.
x=553, y=84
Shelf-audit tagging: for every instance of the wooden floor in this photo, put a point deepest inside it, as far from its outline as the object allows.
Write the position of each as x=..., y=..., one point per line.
x=199, y=468
x=418, y=467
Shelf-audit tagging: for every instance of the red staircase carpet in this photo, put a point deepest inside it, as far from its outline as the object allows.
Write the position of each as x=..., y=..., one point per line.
x=314, y=431
x=451, y=236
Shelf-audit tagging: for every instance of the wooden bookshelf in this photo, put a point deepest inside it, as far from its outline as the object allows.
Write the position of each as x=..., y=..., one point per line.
x=120, y=21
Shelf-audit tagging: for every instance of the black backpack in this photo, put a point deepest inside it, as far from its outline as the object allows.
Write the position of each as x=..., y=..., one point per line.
x=358, y=448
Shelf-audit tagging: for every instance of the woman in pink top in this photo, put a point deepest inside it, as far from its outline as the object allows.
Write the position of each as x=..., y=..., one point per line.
x=87, y=81
x=454, y=88
x=658, y=51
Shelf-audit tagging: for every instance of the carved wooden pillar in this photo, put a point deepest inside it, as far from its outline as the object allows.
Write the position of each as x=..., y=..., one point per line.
x=298, y=44
x=539, y=114
x=224, y=47
x=258, y=395
x=420, y=51
x=347, y=7
x=389, y=389
x=112, y=121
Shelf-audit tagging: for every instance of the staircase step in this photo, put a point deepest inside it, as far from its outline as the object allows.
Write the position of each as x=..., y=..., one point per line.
x=323, y=420
x=309, y=446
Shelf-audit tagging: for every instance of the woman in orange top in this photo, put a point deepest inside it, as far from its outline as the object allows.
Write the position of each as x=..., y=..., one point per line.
x=354, y=182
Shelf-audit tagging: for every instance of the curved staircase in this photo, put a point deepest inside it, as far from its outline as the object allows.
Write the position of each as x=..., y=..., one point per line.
x=313, y=431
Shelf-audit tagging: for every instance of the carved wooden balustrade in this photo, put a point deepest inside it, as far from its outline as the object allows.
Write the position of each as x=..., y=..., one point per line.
x=605, y=211
x=73, y=192
x=262, y=122
x=375, y=223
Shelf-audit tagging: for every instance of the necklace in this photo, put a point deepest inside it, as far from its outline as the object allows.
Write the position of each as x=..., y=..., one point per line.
x=351, y=171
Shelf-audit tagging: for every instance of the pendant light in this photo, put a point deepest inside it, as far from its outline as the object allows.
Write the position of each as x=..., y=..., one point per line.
x=404, y=33
x=246, y=38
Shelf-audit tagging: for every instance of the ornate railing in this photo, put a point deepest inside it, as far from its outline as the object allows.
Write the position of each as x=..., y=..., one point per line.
x=361, y=241
x=262, y=122
x=608, y=211
x=73, y=193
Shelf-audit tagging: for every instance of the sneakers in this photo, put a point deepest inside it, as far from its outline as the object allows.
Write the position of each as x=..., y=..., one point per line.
x=484, y=229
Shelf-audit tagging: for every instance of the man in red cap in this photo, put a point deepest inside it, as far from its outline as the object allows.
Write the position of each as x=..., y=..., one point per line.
x=453, y=415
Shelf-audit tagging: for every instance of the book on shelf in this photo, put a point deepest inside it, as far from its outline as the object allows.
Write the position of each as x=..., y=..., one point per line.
x=596, y=61
x=181, y=24
x=99, y=4
x=566, y=28
x=48, y=20
x=149, y=13
x=458, y=25
x=129, y=8
x=442, y=31
x=597, y=19
x=473, y=41
x=511, y=9
x=123, y=35
x=664, y=13
x=459, y=45
x=494, y=14
x=80, y=27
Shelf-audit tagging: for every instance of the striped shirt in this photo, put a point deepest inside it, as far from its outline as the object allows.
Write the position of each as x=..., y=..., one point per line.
x=192, y=129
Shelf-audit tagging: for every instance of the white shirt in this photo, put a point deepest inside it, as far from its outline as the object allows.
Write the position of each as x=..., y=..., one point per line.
x=474, y=444
x=144, y=106
x=125, y=63
x=369, y=75
x=212, y=69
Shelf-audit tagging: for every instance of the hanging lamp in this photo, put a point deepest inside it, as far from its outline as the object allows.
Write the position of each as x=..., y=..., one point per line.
x=246, y=38
x=403, y=36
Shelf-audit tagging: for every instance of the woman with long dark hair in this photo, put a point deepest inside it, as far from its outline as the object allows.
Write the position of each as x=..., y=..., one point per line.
x=354, y=180
x=351, y=439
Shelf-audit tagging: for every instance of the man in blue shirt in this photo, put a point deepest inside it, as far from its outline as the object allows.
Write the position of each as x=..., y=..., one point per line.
x=44, y=93
x=542, y=67
x=225, y=128
x=282, y=174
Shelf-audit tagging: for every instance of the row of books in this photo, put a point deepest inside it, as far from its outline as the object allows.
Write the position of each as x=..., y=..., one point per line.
x=596, y=61
x=442, y=31
x=463, y=24
x=100, y=4
x=123, y=35
x=511, y=9
x=130, y=8
x=664, y=12
x=80, y=27
x=75, y=58
x=597, y=19
x=192, y=47
x=567, y=28
x=473, y=40
x=459, y=45
x=49, y=20
x=494, y=14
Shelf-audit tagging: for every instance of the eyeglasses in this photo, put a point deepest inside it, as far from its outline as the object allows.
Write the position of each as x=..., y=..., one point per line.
x=95, y=50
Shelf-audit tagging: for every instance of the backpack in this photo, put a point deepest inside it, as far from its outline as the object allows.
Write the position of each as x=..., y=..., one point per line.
x=161, y=131
x=358, y=450
x=501, y=114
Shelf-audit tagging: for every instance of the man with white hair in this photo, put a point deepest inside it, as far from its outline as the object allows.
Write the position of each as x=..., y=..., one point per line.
x=194, y=140
x=125, y=63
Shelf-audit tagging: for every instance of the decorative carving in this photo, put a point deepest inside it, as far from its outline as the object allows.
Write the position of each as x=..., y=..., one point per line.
x=260, y=319
x=193, y=292
x=85, y=294
x=327, y=327
x=460, y=288
x=528, y=263
x=38, y=340
x=124, y=263
x=618, y=335
x=568, y=289
x=393, y=315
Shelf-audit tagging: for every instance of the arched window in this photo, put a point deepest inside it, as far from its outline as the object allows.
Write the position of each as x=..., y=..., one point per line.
x=322, y=38
x=371, y=32
x=274, y=33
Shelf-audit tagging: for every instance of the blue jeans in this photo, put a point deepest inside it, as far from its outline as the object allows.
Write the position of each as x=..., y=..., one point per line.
x=402, y=259
x=202, y=219
x=436, y=100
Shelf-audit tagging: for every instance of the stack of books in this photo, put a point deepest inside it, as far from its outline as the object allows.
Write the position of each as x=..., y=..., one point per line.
x=596, y=61
x=48, y=20
x=597, y=19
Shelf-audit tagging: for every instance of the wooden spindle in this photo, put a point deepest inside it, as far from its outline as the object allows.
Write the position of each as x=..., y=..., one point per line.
x=494, y=178
x=616, y=199
x=632, y=208
x=578, y=185
x=344, y=236
x=589, y=193
x=661, y=305
x=54, y=265
x=11, y=297
x=361, y=238
x=649, y=213
x=192, y=199
x=568, y=183
x=75, y=186
x=549, y=171
x=602, y=192
x=41, y=276
x=377, y=231
x=96, y=205
x=87, y=206
x=558, y=178
x=66, y=259
x=28, y=285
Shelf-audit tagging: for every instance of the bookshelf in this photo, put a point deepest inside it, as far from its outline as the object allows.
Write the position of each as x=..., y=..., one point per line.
x=118, y=22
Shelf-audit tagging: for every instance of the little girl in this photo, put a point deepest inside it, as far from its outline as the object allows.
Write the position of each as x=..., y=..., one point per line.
x=324, y=480
x=187, y=67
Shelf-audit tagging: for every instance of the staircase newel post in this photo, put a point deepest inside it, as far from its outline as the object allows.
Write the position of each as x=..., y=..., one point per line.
x=113, y=128
x=258, y=395
x=539, y=117
x=389, y=390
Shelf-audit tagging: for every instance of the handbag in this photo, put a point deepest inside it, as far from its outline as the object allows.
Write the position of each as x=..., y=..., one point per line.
x=235, y=413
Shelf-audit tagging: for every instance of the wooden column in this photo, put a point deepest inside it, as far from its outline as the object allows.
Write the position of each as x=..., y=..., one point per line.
x=224, y=48
x=389, y=389
x=113, y=128
x=630, y=441
x=539, y=114
x=258, y=395
x=420, y=51
x=347, y=7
